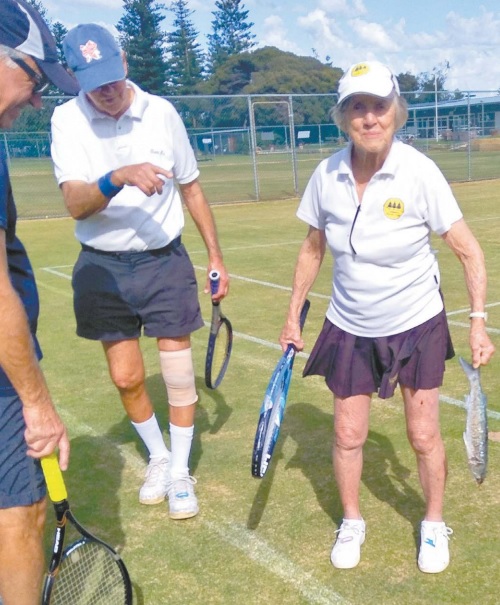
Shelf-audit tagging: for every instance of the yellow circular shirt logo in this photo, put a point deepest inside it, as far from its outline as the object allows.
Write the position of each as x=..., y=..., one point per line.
x=394, y=208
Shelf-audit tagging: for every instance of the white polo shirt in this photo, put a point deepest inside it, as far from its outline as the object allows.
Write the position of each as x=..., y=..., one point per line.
x=385, y=274
x=86, y=144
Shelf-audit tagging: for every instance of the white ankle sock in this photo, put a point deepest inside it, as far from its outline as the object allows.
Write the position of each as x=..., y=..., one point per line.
x=181, y=439
x=150, y=433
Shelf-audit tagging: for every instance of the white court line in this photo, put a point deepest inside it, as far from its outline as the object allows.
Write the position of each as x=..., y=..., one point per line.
x=247, y=247
x=467, y=310
x=276, y=346
x=462, y=324
x=233, y=534
x=461, y=404
x=257, y=550
x=53, y=271
x=267, y=284
x=238, y=536
x=483, y=218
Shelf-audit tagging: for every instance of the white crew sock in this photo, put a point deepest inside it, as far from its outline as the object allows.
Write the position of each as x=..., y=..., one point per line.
x=149, y=431
x=181, y=439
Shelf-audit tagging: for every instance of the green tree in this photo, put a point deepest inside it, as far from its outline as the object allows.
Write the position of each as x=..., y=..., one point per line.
x=41, y=9
x=272, y=71
x=408, y=83
x=186, y=59
x=59, y=32
x=433, y=82
x=231, y=32
x=142, y=40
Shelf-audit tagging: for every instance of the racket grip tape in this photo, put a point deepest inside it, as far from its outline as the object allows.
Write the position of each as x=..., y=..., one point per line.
x=214, y=281
x=303, y=313
x=54, y=478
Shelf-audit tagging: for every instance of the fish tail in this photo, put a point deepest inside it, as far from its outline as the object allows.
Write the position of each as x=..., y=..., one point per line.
x=466, y=366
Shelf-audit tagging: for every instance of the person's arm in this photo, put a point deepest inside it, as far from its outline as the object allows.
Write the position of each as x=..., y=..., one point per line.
x=307, y=268
x=465, y=246
x=44, y=429
x=84, y=199
x=199, y=209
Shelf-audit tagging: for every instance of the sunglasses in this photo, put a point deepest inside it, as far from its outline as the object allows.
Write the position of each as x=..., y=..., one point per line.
x=41, y=82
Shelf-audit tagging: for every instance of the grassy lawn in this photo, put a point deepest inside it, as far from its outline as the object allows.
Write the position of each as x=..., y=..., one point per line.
x=268, y=541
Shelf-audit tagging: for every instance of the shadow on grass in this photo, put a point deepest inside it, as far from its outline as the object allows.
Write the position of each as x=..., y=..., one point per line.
x=92, y=492
x=123, y=432
x=312, y=429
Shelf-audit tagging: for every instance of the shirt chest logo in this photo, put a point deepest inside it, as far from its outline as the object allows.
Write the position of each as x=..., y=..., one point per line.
x=394, y=208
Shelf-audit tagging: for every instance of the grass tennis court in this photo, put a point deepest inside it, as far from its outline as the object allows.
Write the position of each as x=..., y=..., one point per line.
x=269, y=541
x=235, y=178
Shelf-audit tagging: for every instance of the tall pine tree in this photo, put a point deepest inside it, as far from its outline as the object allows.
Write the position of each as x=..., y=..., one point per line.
x=231, y=32
x=41, y=9
x=185, y=62
x=143, y=41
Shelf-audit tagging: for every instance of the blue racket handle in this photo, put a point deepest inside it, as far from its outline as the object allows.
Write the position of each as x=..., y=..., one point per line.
x=214, y=281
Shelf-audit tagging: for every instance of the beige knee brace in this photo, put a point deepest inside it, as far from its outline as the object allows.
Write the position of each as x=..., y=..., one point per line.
x=178, y=373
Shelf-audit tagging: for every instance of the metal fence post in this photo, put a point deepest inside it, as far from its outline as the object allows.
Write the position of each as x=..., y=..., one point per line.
x=253, y=147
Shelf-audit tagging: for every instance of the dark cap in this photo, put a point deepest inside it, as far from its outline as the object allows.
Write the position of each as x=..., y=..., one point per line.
x=22, y=28
x=94, y=56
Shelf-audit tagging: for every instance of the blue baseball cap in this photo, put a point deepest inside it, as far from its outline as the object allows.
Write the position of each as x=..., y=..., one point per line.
x=94, y=56
x=23, y=29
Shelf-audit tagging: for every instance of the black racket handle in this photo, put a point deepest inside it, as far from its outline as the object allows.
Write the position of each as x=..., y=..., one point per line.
x=303, y=313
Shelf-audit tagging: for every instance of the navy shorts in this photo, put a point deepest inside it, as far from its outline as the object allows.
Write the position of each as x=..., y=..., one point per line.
x=117, y=295
x=354, y=365
x=21, y=477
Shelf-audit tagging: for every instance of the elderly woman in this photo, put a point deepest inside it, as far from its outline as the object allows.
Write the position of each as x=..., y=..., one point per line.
x=375, y=204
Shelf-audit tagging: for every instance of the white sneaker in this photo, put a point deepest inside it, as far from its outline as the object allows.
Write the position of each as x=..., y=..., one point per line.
x=156, y=482
x=182, y=501
x=434, y=555
x=346, y=551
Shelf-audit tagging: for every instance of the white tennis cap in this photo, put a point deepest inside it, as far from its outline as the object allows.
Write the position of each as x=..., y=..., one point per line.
x=369, y=78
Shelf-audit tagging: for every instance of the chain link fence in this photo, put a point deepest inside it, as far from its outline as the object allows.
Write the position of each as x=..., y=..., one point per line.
x=265, y=147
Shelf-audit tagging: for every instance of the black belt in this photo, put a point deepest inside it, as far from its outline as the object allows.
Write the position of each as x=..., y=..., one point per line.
x=175, y=243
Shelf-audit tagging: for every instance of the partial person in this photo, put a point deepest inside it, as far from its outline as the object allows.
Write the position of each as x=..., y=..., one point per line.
x=30, y=427
x=116, y=150
x=375, y=204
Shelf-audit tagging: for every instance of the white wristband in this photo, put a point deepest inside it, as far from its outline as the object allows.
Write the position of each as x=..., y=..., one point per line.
x=479, y=314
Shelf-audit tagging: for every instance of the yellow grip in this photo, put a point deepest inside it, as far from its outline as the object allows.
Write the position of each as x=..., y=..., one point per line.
x=54, y=478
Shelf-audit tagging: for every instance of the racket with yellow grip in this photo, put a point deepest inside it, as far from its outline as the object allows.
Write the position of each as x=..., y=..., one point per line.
x=86, y=571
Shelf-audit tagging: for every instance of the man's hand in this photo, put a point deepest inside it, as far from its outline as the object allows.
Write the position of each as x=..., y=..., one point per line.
x=45, y=432
x=149, y=178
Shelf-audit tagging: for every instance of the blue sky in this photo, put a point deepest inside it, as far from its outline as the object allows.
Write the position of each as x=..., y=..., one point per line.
x=408, y=35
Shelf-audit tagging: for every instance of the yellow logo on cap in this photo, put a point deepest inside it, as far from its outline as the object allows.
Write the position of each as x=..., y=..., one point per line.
x=360, y=69
x=394, y=208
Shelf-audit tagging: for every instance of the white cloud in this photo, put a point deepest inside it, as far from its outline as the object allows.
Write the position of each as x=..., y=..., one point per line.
x=321, y=30
x=374, y=34
x=104, y=4
x=346, y=7
x=275, y=34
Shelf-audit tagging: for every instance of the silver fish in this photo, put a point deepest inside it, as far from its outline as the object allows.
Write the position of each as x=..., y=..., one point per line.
x=476, y=426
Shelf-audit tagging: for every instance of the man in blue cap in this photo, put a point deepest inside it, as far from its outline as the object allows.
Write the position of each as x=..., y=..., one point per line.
x=115, y=150
x=30, y=427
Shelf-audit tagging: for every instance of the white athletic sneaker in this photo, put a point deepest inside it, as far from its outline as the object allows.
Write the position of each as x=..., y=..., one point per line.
x=434, y=555
x=346, y=551
x=156, y=482
x=182, y=501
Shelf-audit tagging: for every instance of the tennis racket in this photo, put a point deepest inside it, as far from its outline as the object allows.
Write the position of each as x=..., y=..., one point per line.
x=220, y=341
x=273, y=407
x=88, y=571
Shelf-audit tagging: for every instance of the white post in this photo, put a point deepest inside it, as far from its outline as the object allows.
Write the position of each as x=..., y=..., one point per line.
x=436, y=105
